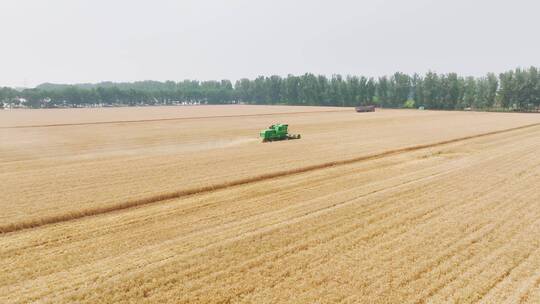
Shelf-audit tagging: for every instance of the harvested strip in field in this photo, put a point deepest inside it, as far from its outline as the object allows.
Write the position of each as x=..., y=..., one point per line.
x=165, y=119
x=90, y=116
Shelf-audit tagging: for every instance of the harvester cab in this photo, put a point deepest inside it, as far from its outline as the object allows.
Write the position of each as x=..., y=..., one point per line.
x=277, y=132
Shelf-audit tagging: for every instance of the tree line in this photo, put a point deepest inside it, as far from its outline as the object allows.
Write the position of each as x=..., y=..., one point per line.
x=517, y=89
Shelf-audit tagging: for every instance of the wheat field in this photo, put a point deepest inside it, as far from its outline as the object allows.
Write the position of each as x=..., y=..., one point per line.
x=185, y=205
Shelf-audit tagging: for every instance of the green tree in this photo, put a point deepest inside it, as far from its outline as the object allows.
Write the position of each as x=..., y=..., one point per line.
x=470, y=93
x=383, y=92
x=401, y=89
x=507, y=89
x=431, y=90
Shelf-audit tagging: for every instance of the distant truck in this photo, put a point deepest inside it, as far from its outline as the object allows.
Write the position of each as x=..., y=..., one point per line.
x=361, y=109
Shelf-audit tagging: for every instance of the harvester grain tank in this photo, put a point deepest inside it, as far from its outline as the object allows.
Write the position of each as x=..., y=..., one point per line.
x=361, y=109
x=277, y=132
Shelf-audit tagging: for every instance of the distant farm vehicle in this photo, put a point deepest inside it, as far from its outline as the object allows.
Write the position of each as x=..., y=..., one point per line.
x=277, y=132
x=361, y=109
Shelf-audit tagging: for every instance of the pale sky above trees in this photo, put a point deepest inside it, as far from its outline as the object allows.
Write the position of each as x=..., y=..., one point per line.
x=74, y=41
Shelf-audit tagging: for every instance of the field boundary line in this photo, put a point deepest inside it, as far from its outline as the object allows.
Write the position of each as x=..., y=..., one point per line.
x=165, y=119
x=74, y=215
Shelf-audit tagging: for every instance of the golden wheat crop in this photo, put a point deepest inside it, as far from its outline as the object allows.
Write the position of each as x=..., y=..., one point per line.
x=180, y=205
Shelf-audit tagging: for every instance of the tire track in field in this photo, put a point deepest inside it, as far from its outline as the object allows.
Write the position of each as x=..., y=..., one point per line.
x=487, y=191
x=524, y=291
x=507, y=274
x=202, y=272
x=506, y=271
x=160, y=262
x=257, y=262
x=163, y=260
x=480, y=260
x=53, y=219
x=374, y=249
x=475, y=233
x=256, y=218
x=165, y=119
x=505, y=137
x=214, y=229
x=295, y=249
x=447, y=268
x=301, y=248
x=453, y=273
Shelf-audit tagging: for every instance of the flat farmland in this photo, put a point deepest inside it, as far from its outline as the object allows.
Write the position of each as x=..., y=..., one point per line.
x=185, y=205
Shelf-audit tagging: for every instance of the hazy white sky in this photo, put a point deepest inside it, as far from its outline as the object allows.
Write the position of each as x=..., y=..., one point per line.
x=72, y=41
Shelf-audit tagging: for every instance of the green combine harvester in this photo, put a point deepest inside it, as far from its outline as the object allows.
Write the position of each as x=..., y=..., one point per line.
x=277, y=132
